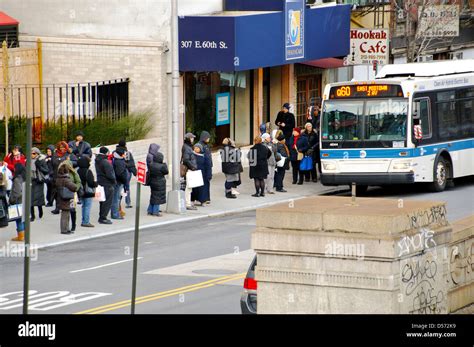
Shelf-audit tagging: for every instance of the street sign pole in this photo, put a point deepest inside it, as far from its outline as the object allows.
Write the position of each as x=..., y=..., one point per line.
x=141, y=179
x=135, y=247
x=175, y=203
x=26, y=216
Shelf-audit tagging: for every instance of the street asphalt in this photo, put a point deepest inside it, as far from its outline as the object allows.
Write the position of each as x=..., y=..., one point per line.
x=187, y=267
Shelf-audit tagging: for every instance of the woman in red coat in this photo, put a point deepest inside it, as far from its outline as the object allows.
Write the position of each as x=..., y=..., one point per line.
x=16, y=156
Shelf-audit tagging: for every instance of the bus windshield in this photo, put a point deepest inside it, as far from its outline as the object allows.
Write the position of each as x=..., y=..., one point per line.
x=368, y=120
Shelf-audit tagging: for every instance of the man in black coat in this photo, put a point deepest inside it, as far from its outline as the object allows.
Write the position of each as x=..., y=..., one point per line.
x=121, y=176
x=188, y=160
x=105, y=178
x=286, y=121
x=79, y=147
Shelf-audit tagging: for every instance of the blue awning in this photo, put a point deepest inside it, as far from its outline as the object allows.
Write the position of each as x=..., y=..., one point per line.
x=237, y=41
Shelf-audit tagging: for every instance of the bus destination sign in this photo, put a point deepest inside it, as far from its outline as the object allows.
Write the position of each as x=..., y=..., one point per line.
x=366, y=91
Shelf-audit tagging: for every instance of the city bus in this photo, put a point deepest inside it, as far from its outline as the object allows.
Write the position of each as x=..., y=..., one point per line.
x=412, y=123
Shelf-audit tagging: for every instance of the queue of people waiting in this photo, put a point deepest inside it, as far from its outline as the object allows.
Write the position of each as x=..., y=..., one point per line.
x=63, y=171
x=269, y=158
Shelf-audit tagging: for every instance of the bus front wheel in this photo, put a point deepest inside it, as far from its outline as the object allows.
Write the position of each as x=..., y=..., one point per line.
x=441, y=174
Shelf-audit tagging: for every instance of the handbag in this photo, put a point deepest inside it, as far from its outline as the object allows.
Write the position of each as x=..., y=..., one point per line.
x=281, y=162
x=306, y=163
x=87, y=189
x=300, y=156
x=183, y=169
x=15, y=212
x=3, y=213
x=65, y=193
x=100, y=194
x=194, y=179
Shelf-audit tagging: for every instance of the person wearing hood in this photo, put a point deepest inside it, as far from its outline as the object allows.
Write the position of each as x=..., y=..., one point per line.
x=15, y=156
x=188, y=162
x=16, y=198
x=79, y=147
x=282, y=152
x=88, y=185
x=105, y=178
x=39, y=175
x=61, y=154
x=204, y=140
x=74, y=176
x=49, y=182
x=64, y=183
x=231, y=166
x=131, y=170
x=200, y=194
x=157, y=170
x=121, y=176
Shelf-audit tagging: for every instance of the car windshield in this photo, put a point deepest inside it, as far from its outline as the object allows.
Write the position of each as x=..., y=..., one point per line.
x=373, y=120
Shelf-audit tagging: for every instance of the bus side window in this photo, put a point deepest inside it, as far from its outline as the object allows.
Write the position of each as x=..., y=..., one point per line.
x=425, y=116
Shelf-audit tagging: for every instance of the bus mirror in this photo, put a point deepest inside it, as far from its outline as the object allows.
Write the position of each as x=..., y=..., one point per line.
x=416, y=110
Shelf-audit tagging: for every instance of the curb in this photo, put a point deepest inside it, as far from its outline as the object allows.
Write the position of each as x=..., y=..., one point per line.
x=179, y=220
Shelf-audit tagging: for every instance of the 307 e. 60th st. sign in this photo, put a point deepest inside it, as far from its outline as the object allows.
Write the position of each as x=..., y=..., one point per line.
x=203, y=44
x=367, y=46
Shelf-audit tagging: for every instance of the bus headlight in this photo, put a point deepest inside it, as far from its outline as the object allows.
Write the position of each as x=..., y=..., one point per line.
x=329, y=166
x=402, y=165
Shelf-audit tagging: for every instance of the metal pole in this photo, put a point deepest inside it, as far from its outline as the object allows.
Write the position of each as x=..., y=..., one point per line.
x=175, y=94
x=353, y=193
x=175, y=203
x=26, y=215
x=135, y=248
x=6, y=81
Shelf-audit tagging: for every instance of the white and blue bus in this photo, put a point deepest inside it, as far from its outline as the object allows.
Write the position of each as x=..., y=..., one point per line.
x=413, y=123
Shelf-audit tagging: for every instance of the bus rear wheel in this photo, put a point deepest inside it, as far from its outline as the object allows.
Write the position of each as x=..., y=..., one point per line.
x=441, y=175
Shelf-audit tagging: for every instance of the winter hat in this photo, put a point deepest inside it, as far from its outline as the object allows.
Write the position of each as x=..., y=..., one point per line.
x=189, y=136
x=79, y=133
x=36, y=150
x=120, y=151
x=298, y=130
x=122, y=143
x=104, y=150
x=281, y=137
x=198, y=145
x=286, y=105
x=265, y=136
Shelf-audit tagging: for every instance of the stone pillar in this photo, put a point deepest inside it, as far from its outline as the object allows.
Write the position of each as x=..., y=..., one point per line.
x=327, y=255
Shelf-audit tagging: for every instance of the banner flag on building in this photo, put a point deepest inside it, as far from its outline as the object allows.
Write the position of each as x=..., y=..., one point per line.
x=294, y=29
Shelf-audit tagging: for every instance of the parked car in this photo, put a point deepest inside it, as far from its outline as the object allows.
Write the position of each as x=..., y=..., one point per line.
x=248, y=300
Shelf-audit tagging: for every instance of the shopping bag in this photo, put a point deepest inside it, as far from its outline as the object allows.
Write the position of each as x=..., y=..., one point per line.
x=15, y=212
x=100, y=194
x=306, y=163
x=194, y=179
x=281, y=162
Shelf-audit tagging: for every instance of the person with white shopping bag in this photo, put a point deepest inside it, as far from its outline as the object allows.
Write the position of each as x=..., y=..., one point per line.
x=188, y=164
x=196, y=180
x=105, y=179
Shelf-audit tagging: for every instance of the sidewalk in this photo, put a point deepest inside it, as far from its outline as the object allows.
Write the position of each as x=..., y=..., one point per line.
x=45, y=232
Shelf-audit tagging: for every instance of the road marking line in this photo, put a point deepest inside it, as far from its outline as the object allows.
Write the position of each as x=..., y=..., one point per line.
x=152, y=295
x=105, y=265
x=164, y=294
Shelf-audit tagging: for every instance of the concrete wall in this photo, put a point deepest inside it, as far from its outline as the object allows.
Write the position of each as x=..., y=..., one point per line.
x=102, y=19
